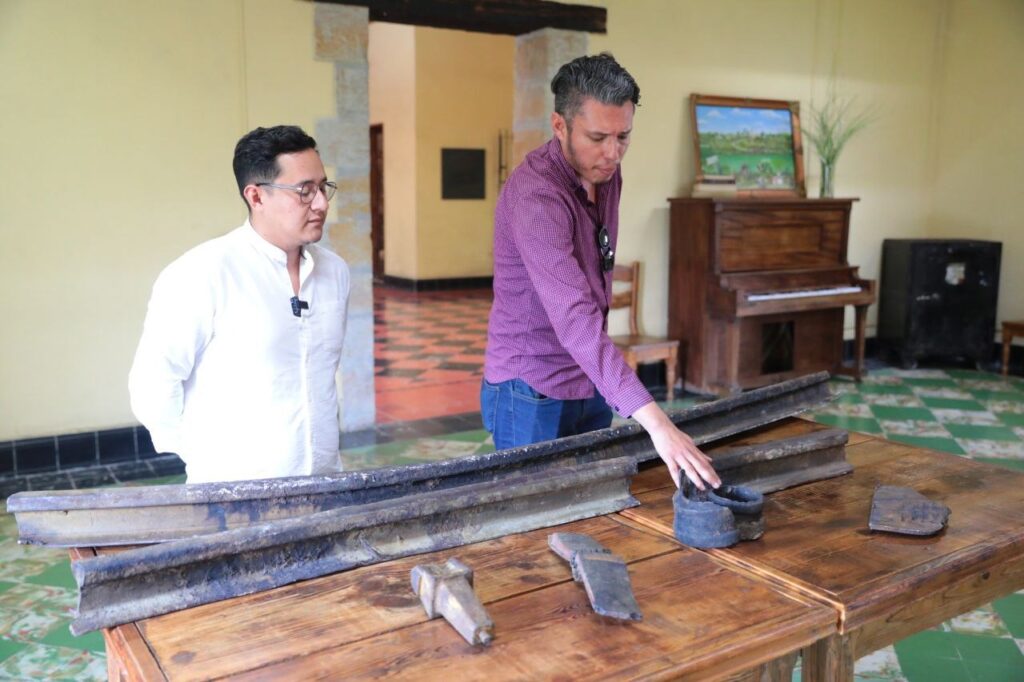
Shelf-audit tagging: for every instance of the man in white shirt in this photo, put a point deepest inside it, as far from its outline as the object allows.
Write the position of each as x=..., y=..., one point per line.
x=235, y=371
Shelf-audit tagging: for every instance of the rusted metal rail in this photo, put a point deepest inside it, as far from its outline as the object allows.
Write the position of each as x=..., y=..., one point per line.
x=142, y=515
x=148, y=581
x=784, y=463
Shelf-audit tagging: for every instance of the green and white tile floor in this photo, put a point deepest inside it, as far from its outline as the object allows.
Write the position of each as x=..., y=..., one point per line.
x=969, y=413
x=974, y=414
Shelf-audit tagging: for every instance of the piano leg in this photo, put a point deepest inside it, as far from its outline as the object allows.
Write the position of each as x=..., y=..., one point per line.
x=857, y=370
x=861, y=316
x=731, y=385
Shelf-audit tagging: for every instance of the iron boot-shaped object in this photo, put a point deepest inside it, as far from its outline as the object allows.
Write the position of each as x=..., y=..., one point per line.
x=699, y=522
x=447, y=590
x=717, y=518
x=746, y=505
x=603, y=574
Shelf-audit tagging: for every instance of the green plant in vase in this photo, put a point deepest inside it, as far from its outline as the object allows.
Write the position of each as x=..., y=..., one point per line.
x=829, y=128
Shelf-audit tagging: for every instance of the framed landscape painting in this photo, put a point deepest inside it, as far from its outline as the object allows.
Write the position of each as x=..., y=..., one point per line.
x=752, y=142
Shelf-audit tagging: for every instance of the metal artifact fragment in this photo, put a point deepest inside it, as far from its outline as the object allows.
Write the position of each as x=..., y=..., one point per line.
x=604, y=575
x=147, y=581
x=568, y=545
x=447, y=590
x=122, y=516
x=895, y=509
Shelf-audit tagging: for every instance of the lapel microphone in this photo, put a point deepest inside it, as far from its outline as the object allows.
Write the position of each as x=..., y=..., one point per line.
x=298, y=306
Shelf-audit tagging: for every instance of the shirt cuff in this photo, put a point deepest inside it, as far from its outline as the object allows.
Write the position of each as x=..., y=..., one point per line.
x=631, y=397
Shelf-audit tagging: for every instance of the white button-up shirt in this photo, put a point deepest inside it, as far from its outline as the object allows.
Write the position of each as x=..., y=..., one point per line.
x=227, y=377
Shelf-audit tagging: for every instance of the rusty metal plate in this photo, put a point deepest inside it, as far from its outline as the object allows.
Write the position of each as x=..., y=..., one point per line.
x=895, y=509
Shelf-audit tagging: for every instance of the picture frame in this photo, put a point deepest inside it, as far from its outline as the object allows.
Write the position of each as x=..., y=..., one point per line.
x=751, y=144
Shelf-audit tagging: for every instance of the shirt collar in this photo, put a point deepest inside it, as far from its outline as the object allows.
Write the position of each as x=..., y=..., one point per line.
x=266, y=248
x=562, y=165
x=568, y=173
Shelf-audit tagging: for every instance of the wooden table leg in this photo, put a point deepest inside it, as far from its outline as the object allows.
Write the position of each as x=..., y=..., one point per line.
x=670, y=372
x=781, y=669
x=829, y=660
x=1007, y=339
x=778, y=670
x=630, y=358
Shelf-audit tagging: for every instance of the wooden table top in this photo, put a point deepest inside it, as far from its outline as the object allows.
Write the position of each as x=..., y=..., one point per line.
x=817, y=541
x=702, y=620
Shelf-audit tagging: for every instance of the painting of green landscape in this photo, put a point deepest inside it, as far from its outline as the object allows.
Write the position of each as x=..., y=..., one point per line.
x=753, y=145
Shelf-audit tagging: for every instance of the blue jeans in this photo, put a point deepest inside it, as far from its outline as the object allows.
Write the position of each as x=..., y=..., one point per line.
x=518, y=415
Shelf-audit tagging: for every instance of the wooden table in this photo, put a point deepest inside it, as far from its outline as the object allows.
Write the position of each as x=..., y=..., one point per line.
x=884, y=587
x=1011, y=328
x=702, y=620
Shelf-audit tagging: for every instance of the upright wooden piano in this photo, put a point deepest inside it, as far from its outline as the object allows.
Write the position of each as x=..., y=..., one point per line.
x=757, y=289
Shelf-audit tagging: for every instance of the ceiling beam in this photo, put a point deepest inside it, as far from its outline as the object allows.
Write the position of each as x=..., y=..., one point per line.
x=508, y=17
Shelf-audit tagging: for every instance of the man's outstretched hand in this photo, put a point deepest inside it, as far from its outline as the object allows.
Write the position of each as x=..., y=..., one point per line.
x=676, y=448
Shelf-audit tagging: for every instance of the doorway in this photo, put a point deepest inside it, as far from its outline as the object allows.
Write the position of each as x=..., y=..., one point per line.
x=377, y=199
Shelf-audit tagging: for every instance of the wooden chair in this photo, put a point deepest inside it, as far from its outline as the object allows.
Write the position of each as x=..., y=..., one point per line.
x=637, y=348
x=1011, y=328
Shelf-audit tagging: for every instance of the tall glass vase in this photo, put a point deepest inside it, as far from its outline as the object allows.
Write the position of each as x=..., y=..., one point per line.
x=828, y=178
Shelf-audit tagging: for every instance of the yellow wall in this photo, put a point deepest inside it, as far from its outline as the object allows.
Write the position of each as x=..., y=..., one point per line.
x=883, y=52
x=119, y=121
x=392, y=57
x=979, y=147
x=432, y=89
x=463, y=99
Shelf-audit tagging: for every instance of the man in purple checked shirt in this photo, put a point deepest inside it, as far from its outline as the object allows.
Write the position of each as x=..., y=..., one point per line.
x=550, y=369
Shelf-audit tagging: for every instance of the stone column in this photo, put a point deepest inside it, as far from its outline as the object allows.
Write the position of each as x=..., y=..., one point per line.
x=342, y=34
x=538, y=56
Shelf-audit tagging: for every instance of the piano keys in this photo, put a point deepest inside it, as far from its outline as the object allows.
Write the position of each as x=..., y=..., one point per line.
x=802, y=293
x=757, y=289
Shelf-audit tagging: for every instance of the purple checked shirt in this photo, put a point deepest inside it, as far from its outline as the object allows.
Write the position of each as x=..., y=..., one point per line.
x=549, y=321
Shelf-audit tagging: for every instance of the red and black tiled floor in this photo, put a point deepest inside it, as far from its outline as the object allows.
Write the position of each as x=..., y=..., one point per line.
x=428, y=352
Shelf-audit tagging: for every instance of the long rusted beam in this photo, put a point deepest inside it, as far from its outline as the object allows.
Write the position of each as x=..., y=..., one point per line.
x=147, y=581
x=787, y=462
x=507, y=17
x=147, y=514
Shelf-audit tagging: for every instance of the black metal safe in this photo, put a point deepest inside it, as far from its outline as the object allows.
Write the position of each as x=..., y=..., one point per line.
x=938, y=299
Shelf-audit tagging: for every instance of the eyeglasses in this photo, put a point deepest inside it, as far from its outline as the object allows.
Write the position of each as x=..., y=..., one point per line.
x=306, y=190
x=604, y=243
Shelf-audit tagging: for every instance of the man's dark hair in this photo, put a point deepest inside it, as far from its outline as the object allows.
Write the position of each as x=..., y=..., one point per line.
x=598, y=76
x=256, y=153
